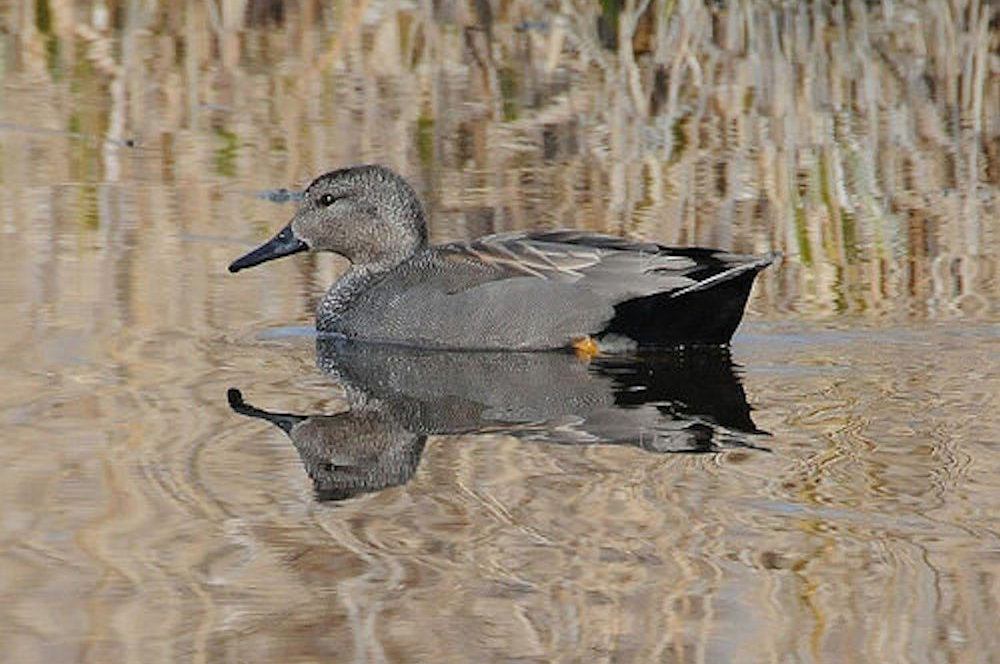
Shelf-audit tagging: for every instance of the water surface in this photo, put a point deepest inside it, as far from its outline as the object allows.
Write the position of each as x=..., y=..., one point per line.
x=144, y=520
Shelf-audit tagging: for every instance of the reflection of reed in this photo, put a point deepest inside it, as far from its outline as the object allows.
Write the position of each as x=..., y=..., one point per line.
x=862, y=145
x=865, y=146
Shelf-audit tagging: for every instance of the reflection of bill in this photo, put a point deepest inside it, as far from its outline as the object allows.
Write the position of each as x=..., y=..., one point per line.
x=679, y=402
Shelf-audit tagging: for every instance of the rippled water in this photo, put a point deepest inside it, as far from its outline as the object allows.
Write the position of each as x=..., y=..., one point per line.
x=828, y=491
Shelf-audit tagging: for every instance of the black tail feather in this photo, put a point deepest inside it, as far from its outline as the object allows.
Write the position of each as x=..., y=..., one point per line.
x=708, y=316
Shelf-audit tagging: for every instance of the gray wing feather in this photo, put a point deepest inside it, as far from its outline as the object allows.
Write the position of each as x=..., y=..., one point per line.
x=612, y=267
x=741, y=264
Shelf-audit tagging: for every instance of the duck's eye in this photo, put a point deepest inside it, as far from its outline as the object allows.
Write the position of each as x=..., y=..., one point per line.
x=326, y=200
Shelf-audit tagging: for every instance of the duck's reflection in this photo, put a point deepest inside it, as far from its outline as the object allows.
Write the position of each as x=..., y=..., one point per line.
x=670, y=402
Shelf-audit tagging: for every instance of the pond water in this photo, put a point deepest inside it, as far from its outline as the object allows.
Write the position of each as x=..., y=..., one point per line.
x=826, y=491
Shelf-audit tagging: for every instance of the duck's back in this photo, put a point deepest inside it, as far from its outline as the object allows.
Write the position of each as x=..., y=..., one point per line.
x=544, y=290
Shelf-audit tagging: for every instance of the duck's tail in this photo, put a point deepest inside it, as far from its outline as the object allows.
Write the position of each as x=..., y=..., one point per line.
x=705, y=313
x=753, y=264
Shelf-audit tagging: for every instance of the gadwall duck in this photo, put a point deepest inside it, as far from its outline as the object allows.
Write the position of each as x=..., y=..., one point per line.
x=524, y=290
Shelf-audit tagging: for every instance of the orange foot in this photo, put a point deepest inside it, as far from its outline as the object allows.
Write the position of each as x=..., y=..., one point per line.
x=585, y=348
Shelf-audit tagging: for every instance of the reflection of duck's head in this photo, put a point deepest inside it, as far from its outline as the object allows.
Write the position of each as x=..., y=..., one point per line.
x=349, y=453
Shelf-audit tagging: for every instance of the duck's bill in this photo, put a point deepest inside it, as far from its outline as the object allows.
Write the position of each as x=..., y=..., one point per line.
x=283, y=244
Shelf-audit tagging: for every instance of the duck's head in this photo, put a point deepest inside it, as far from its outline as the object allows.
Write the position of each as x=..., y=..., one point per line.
x=368, y=214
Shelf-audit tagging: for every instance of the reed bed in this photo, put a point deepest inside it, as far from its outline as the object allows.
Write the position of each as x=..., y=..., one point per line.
x=860, y=139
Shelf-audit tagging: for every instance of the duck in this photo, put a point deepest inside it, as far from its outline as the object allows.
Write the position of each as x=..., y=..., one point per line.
x=523, y=290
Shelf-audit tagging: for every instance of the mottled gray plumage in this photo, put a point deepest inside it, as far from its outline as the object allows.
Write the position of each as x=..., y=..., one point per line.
x=521, y=290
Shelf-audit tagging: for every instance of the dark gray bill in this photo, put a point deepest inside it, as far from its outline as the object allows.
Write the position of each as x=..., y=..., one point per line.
x=283, y=244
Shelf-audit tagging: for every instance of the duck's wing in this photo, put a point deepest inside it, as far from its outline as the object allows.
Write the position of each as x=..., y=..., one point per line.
x=613, y=267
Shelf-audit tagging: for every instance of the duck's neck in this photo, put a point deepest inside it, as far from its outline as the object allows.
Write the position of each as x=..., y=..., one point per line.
x=343, y=293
